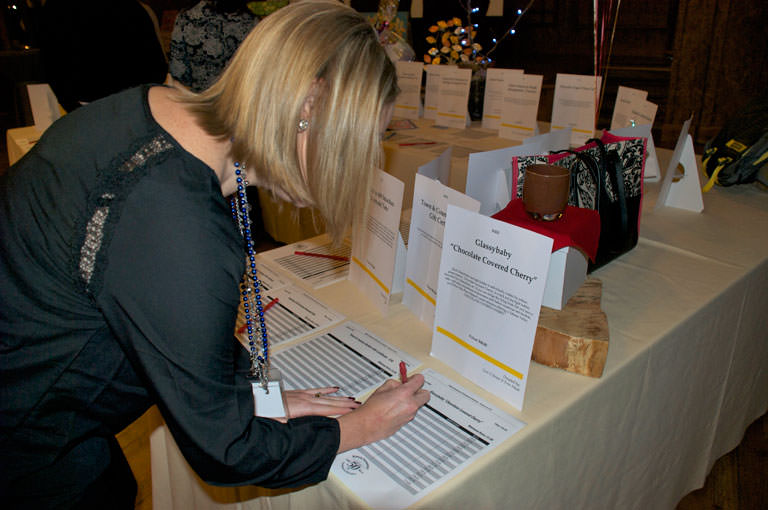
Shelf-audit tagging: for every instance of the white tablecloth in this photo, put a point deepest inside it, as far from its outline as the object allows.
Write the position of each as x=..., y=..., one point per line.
x=686, y=374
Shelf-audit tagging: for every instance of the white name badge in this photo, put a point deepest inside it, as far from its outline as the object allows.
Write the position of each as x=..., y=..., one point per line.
x=269, y=402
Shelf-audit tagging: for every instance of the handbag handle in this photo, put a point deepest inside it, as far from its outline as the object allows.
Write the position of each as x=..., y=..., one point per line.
x=614, y=171
x=593, y=169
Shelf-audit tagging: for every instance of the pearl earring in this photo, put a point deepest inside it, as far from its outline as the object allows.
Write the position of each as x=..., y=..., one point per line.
x=303, y=125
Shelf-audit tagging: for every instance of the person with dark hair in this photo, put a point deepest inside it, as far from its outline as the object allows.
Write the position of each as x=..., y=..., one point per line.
x=123, y=264
x=203, y=40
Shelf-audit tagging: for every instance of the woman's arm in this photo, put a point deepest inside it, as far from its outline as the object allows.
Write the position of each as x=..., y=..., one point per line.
x=390, y=407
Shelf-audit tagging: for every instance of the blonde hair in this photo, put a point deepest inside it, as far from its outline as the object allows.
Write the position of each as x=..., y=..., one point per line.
x=316, y=49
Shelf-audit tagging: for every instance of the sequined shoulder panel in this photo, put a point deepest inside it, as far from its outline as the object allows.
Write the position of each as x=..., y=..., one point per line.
x=102, y=207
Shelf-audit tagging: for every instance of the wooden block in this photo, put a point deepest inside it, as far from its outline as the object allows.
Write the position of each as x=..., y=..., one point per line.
x=576, y=337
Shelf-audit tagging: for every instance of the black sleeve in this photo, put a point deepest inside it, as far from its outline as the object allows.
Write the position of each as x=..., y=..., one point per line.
x=170, y=294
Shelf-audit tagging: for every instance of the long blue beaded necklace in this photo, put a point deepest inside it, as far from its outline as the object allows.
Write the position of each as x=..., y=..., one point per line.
x=250, y=286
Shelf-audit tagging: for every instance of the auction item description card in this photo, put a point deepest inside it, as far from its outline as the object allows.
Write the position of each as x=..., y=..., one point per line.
x=492, y=279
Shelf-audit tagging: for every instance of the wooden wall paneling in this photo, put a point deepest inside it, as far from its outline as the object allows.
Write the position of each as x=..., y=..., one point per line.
x=720, y=62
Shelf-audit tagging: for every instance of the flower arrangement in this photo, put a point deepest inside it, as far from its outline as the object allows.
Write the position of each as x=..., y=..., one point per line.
x=451, y=43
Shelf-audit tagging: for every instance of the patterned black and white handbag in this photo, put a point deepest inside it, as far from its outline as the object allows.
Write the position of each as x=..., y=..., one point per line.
x=607, y=176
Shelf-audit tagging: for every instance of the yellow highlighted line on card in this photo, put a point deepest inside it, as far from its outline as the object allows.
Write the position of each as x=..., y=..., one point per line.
x=573, y=129
x=480, y=353
x=406, y=106
x=516, y=126
x=370, y=273
x=454, y=115
x=488, y=115
x=421, y=291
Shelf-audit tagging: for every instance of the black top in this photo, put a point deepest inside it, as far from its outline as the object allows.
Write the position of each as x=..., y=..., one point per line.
x=119, y=271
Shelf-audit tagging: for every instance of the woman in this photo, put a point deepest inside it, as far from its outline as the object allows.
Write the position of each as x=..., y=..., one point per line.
x=121, y=265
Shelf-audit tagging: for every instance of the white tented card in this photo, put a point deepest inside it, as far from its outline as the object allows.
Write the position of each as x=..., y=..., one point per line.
x=269, y=404
x=495, y=87
x=439, y=168
x=626, y=99
x=489, y=294
x=452, y=98
x=521, y=106
x=489, y=175
x=454, y=429
x=378, y=244
x=44, y=105
x=408, y=101
x=681, y=187
x=574, y=105
x=430, y=200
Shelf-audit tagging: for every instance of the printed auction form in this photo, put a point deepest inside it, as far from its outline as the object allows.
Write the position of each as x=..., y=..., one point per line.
x=316, y=260
x=348, y=356
x=290, y=313
x=489, y=293
x=451, y=431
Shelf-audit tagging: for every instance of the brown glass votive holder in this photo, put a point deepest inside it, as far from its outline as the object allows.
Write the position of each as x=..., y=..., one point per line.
x=545, y=191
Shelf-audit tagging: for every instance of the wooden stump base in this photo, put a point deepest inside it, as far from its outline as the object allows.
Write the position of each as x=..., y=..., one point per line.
x=576, y=337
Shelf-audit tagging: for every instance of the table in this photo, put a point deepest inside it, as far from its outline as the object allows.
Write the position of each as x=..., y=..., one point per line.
x=685, y=375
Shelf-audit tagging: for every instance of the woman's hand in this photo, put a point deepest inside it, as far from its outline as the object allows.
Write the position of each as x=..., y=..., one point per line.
x=388, y=408
x=318, y=402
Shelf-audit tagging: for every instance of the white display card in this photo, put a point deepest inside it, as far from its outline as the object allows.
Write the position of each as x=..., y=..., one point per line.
x=44, y=105
x=452, y=97
x=408, y=101
x=681, y=187
x=432, y=90
x=489, y=293
x=626, y=99
x=558, y=140
x=439, y=168
x=495, y=87
x=521, y=106
x=574, y=105
x=489, y=175
x=425, y=244
x=378, y=250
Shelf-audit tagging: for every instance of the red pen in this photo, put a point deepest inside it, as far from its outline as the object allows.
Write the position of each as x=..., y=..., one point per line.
x=416, y=143
x=242, y=328
x=322, y=255
x=403, y=376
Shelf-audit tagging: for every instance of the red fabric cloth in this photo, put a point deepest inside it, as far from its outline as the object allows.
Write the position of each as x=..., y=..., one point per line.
x=578, y=227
